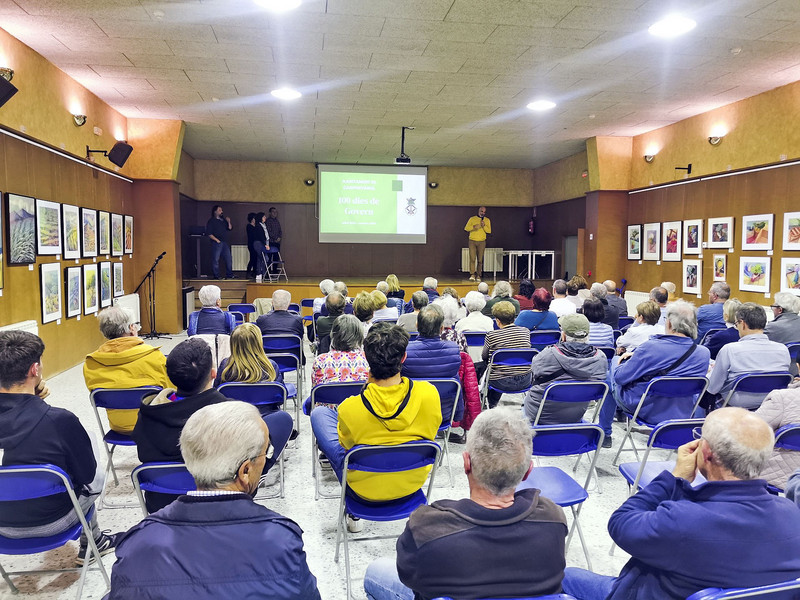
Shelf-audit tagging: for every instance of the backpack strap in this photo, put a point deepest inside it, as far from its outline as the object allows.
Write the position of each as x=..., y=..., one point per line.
x=664, y=371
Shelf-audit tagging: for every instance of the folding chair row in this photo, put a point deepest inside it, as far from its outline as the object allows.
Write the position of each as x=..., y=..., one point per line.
x=506, y=357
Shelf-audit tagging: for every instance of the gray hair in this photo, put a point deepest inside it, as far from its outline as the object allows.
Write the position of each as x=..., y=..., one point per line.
x=347, y=333
x=209, y=294
x=341, y=287
x=721, y=289
x=500, y=445
x=382, y=287
x=115, y=322
x=502, y=289
x=740, y=440
x=598, y=290
x=429, y=320
x=560, y=287
x=669, y=286
x=419, y=300
x=474, y=301
x=787, y=301
x=217, y=439
x=730, y=307
x=449, y=306
x=326, y=286
x=281, y=300
x=430, y=283
x=483, y=287
x=682, y=317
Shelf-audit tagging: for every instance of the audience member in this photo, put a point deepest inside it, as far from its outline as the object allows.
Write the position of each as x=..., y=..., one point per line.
x=395, y=303
x=561, y=305
x=573, y=287
x=615, y=300
x=645, y=325
x=610, y=313
x=526, y=289
x=429, y=356
x=453, y=293
x=481, y=546
x=540, y=317
x=659, y=295
x=709, y=316
x=408, y=321
x=381, y=308
x=247, y=363
x=671, y=291
x=346, y=360
x=583, y=287
x=450, y=308
x=734, y=532
x=717, y=340
x=394, y=287
x=781, y=407
x=483, y=288
x=508, y=335
x=211, y=319
x=325, y=287
x=217, y=542
x=501, y=293
x=335, y=303
x=600, y=334
x=280, y=321
x=364, y=309
x=429, y=287
x=341, y=287
x=123, y=361
x=252, y=264
x=475, y=319
x=785, y=326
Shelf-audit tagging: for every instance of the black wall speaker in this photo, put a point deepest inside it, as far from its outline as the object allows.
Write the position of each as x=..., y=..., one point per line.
x=7, y=89
x=120, y=153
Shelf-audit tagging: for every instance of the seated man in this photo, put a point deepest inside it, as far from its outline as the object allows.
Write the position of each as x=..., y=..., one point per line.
x=560, y=304
x=280, y=321
x=335, y=304
x=124, y=361
x=610, y=312
x=391, y=301
x=715, y=341
x=709, y=316
x=216, y=542
x=325, y=287
x=341, y=287
x=497, y=543
x=571, y=359
x=501, y=293
x=408, y=321
x=660, y=296
x=211, y=319
x=33, y=432
x=429, y=288
x=753, y=353
x=615, y=300
x=785, y=326
x=727, y=533
x=430, y=357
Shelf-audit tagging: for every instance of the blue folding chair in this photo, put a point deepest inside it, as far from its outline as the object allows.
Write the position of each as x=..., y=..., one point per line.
x=28, y=482
x=506, y=357
x=608, y=351
x=565, y=440
x=449, y=397
x=548, y=597
x=625, y=321
x=542, y=338
x=475, y=339
x=756, y=383
x=385, y=320
x=162, y=478
x=794, y=352
x=294, y=307
x=412, y=335
x=123, y=399
x=382, y=459
x=309, y=304
x=287, y=351
x=776, y=591
x=617, y=334
x=707, y=335
x=240, y=309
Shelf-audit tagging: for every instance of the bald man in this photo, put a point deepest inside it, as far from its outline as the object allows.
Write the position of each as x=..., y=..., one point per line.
x=728, y=532
x=614, y=300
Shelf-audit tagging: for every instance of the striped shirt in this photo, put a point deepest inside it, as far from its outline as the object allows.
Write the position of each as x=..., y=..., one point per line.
x=601, y=334
x=511, y=336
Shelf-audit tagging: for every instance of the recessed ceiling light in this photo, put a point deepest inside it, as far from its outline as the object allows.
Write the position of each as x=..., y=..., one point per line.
x=279, y=6
x=540, y=105
x=286, y=94
x=672, y=26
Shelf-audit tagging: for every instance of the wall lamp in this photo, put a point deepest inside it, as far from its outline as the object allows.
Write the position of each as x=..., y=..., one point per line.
x=648, y=158
x=715, y=140
x=308, y=182
x=6, y=73
x=433, y=185
x=80, y=120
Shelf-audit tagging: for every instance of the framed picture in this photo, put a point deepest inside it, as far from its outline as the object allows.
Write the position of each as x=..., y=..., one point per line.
x=791, y=231
x=652, y=241
x=72, y=287
x=757, y=232
x=128, y=234
x=634, y=242
x=117, y=239
x=2, y=281
x=790, y=275
x=70, y=221
x=692, y=276
x=119, y=285
x=671, y=244
x=103, y=233
x=48, y=227
x=720, y=263
x=51, y=291
x=21, y=227
x=105, y=284
x=90, y=289
x=693, y=236
x=720, y=232
x=754, y=274
x=89, y=232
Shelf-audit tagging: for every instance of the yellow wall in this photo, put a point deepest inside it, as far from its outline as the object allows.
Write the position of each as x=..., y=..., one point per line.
x=460, y=186
x=609, y=162
x=186, y=175
x=561, y=180
x=156, y=148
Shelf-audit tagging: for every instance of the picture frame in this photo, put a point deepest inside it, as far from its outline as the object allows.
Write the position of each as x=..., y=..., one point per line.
x=105, y=284
x=48, y=228
x=651, y=241
x=671, y=241
x=72, y=291
x=692, y=276
x=50, y=278
x=117, y=237
x=693, y=236
x=719, y=264
x=70, y=220
x=790, y=275
x=128, y=234
x=90, y=289
x=754, y=274
x=757, y=232
x=88, y=232
x=2, y=251
x=791, y=231
x=634, y=242
x=720, y=232
x=20, y=229
x=119, y=283
x=103, y=233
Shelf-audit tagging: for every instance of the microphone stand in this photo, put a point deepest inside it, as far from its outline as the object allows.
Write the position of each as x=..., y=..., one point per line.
x=150, y=278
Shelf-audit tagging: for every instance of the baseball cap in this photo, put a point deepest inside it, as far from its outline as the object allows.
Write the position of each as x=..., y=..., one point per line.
x=575, y=325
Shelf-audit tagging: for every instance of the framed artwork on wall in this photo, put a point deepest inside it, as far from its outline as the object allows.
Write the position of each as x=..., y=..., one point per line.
x=757, y=232
x=720, y=262
x=71, y=221
x=51, y=291
x=119, y=285
x=2, y=251
x=671, y=243
x=790, y=275
x=89, y=232
x=105, y=284
x=117, y=238
x=128, y=234
x=103, y=233
x=720, y=232
x=21, y=228
x=634, y=242
x=693, y=236
x=754, y=274
x=692, y=276
x=72, y=286
x=90, y=301
x=791, y=231
x=48, y=227
x=652, y=241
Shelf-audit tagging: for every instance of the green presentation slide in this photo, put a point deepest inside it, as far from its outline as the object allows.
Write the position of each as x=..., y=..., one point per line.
x=359, y=202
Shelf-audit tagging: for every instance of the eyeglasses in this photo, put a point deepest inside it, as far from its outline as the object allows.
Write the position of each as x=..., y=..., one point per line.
x=697, y=433
x=251, y=459
x=774, y=306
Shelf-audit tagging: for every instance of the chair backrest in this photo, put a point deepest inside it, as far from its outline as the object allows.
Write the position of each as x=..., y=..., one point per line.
x=335, y=392
x=122, y=399
x=307, y=303
x=573, y=391
x=385, y=320
x=412, y=335
x=294, y=307
x=449, y=394
x=625, y=321
x=392, y=458
x=707, y=335
x=284, y=349
x=617, y=334
x=262, y=393
x=673, y=433
x=513, y=357
x=238, y=317
x=163, y=477
x=670, y=398
x=541, y=338
x=548, y=597
x=608, y=351
x=776, y=591
x=761, y=383
x=475, y=339
x=26, y=482
x=794, y=352
x=567, y=439
x=242, y=307
x=788, y=437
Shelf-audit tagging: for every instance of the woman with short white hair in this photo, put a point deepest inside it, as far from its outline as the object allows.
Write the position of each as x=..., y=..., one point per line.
x=211, y=319
x=450, y=310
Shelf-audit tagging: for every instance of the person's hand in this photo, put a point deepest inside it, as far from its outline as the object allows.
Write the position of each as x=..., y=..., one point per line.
x=267, y=247
x=686, y=464
x=42, y=390
x=228, y=219
x=620, y=350
x=625, y=356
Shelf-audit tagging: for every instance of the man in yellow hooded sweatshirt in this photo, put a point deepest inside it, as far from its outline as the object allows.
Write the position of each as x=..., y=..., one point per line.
x=124, y=361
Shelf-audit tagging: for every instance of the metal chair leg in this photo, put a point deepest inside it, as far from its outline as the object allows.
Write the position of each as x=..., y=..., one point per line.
x=7, y=579
x=577, y=524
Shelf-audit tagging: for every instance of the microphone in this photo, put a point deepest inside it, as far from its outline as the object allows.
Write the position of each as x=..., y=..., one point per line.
x=160, y=256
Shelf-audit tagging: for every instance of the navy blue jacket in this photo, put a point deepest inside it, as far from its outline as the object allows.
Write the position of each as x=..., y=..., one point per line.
x=211, y=321
x=431, y=358
x=716, y=341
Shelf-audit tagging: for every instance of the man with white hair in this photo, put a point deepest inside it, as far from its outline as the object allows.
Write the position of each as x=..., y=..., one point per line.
x=610, y=313
x=326, y=287
x=211, y=319
x=475, y=319
x=560, y=305
x=729, y=532
x=280, y=321
x=502, y=292
x=429, y=286
x=216, y=542
x=408, y=321
x=395, y=303
x=785, y=326
x=613, y=299
x=481, y=546
x=483, y=288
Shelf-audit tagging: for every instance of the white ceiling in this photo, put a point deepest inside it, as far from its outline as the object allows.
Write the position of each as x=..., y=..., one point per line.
x=460, y=71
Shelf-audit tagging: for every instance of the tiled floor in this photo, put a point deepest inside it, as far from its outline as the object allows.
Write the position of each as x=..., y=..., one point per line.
x=317, y=518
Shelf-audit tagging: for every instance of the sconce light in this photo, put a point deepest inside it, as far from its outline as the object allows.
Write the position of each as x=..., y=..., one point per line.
x=715, y=140
x=433, y=185
x=6, y=73
x=308, y=182
x=80, y=120
x=648, y=158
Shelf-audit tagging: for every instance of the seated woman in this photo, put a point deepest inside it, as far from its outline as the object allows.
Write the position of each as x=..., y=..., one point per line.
x=779, y=408
x=364, y=309
x=382, y=311
x=394, y=287
x=540, y=317
x=717, y=340
x=506, y=378
x=210, y=319
x=600, y=334
x=450, y=310
x=501, y=293
x=644, y=325
x=526, y=289
x=453, y=293
x=345, y=361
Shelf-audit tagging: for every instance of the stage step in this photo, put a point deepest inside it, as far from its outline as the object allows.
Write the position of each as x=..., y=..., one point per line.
x=231, y=290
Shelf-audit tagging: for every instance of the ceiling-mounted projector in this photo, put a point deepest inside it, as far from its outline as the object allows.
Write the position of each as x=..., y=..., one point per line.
x=403, y=159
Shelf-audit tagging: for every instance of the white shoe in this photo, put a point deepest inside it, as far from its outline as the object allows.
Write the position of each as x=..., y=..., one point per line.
x=472, y=278
x=354, y=524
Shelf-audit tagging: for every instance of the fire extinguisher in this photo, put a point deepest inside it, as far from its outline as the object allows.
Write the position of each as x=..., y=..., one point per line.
x=532, y=226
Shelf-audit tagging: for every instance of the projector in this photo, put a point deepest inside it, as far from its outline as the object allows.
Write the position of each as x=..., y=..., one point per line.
x=402, y=160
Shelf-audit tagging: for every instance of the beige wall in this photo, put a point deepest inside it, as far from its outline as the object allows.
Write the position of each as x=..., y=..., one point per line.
x=157, y=147
x=186, y=175
x=460, y=186
x=561, y=180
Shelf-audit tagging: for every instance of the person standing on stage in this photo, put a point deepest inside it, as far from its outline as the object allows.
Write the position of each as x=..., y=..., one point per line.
x=478, y=227
x=274, y=233
x=217, y=229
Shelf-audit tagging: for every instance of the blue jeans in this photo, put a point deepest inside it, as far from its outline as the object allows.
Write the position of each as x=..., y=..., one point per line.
x=381, y=581
x=261, y=257
x=323, y=424
x=224, y=250
x=585, y=585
